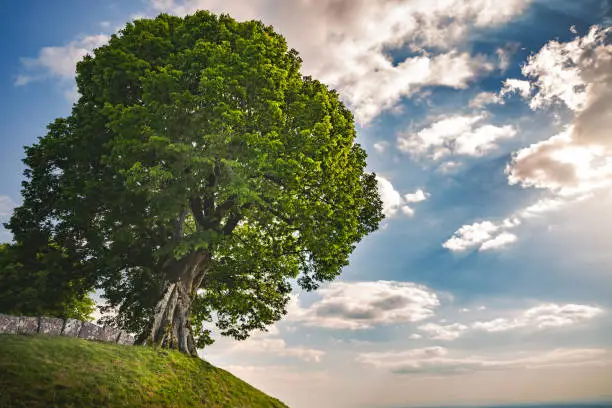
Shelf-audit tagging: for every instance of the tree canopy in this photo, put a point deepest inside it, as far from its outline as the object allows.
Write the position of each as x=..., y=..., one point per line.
x=199, y=175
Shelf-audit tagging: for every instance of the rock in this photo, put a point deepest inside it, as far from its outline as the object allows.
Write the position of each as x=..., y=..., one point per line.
x=27, y=325
x=72, y=327
x=90, y=331
x=51, y=326
x=110, y=334
x=8, y=324
x=125, y=338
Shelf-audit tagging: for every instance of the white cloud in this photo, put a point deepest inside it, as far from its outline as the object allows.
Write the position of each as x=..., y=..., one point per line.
x=380, y=147
x=541, y=317
x=416, y=197
x=443, y=332
x=577, y=74
x=562, y=166
x=347, y=41
x=485, y=98
x=438, y=360
x=6, y=206
x=500, y=241
x=455, y=135
x=482, y=235
x=59, y=61
x=277, y=347
x=512, y=85
x=504, y=54
x=487, y=235
x=407, y=210
x=449, y=167
x=363, y=305
x=543, y=206
x=393, y=200
x=390, y=197
x=415, y=336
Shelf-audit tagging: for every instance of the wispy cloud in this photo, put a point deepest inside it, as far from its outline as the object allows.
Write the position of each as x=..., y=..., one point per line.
x=439, y=361
x=542, y=317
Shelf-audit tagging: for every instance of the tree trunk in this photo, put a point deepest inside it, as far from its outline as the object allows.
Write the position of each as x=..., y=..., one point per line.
x=171, y=325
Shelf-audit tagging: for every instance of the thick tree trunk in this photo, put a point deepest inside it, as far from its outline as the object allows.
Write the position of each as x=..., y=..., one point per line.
x=171, y=325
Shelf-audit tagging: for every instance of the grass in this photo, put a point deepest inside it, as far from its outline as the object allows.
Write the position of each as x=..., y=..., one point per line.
x=43, y=371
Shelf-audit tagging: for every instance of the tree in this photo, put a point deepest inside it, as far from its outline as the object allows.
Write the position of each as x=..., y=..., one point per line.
x=198, y=176
x=42, y=282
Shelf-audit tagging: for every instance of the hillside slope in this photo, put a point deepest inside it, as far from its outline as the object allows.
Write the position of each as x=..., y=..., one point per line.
x=41, y=371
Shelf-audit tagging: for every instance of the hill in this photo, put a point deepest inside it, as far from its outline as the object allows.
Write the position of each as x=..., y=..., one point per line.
x=44, y=371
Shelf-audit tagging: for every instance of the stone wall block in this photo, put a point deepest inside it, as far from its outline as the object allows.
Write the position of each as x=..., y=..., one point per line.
x=69, y=327
x=51, y=326
x=27, y=325
x=72, y=327
x=9, y=324
x=90, y=331
x=110, y=334
x=125, y=338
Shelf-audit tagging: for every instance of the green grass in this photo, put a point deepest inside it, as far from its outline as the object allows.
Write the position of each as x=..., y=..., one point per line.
x=42, y=371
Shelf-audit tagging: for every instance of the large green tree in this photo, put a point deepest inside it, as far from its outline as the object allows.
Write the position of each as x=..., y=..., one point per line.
x=198, y=176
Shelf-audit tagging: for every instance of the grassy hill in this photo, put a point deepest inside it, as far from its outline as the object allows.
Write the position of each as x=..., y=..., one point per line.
x=41, y=371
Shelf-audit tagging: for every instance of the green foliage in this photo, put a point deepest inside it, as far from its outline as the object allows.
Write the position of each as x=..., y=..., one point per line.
x=200, y=135
x=42, y=282
x=41, y=371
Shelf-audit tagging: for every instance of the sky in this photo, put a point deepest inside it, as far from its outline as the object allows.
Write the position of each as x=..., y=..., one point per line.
x=488, y=125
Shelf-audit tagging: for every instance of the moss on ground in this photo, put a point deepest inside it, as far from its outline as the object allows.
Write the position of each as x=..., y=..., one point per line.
x=43, y=371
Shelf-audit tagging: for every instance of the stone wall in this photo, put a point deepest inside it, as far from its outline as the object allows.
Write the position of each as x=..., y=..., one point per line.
x=63, y=327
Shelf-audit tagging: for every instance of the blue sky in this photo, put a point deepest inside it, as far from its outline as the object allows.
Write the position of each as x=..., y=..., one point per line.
x=488, y=125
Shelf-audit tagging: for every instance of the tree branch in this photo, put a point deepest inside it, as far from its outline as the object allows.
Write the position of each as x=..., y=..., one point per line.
x=231, y=223
x=180, y=223
x=195, y=203
x=223, y=208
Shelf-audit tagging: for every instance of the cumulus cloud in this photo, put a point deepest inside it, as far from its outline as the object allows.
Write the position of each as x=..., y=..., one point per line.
x=439, y=361
x=347, y=41
x=455, y=135
x=416, y=197
x=443, y=332
x=511, y=86
x=562, y=166
x=576, y=74
x=59, y=61
x=393, y=200
x=363, y=305
x=542, y=317
x=483, y=235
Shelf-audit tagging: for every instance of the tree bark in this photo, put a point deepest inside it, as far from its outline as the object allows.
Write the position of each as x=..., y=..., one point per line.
x=171, y=326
